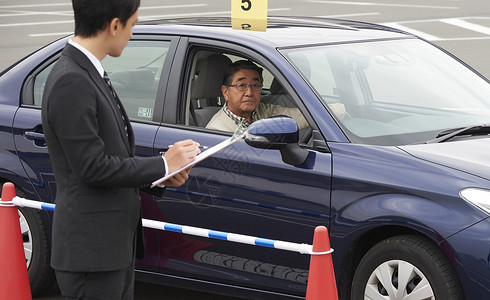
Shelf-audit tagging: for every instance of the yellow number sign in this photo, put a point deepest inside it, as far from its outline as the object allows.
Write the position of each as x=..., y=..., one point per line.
x=249, y=14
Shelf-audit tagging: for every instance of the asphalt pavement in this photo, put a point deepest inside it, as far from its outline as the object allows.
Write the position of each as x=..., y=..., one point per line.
x=148, y=291
x=460, y=26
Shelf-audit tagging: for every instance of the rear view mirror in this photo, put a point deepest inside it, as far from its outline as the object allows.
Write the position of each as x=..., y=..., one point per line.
x=279, y=133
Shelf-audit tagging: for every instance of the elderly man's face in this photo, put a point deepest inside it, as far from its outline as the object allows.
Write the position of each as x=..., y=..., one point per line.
x=243, y=103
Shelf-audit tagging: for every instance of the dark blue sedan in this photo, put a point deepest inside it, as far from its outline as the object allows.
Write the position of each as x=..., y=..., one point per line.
x=395, y=159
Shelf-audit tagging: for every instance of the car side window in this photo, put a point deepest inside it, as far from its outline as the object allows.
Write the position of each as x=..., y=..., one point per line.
x=39, y=82
x=205, y=99
x=134, y=75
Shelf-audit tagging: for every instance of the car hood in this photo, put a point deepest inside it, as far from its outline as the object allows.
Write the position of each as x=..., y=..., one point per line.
x=470, y=156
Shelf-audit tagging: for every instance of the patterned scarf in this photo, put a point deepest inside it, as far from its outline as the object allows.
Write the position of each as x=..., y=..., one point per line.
x=239, y=120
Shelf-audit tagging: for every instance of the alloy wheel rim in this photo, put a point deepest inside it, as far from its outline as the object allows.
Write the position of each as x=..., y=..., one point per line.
x=398, y=280
x=25, y=230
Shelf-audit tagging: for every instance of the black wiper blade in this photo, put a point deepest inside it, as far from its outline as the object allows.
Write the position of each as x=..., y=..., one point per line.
x=446, y=135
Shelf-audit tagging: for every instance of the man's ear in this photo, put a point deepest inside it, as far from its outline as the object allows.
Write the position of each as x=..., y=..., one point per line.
x=114, y=26
x=224, y=91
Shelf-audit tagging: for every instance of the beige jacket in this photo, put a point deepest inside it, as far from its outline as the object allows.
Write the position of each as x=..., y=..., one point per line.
x=221, y=121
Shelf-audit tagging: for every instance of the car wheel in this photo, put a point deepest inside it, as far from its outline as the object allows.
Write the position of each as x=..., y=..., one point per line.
x=405, y=267
x=37, y=249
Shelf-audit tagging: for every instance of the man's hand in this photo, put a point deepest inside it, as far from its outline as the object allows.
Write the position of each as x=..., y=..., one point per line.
x=180, y=154
x=178, y=179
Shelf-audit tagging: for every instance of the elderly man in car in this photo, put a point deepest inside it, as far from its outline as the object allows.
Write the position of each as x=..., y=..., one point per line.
x=242, y=91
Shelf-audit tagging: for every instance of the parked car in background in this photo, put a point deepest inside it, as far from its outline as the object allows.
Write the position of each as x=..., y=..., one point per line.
x=401, y=178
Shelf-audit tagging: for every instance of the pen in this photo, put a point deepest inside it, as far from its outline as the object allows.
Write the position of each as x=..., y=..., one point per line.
x=201, y=147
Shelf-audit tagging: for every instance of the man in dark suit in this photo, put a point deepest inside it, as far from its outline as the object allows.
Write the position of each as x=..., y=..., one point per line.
x=97, y=222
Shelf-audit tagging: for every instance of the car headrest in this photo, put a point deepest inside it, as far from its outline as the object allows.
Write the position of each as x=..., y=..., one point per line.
x=276, y=87
x=209, y=76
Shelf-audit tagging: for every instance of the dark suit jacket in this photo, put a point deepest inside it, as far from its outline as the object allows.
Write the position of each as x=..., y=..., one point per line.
x=97, y=202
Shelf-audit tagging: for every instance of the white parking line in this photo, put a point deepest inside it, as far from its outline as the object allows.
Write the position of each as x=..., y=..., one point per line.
x=382, y=4
x=460, y=22
x=172, y=6
x=36, y=23
x=50, y=34
x=34, y=5
x=467, y=25
x=413, y=31
x=21, y=13
x=69, y=4
x=37, y=13
x=350, y=15
x=142, y=17
x=211, y=13
x=467, y=38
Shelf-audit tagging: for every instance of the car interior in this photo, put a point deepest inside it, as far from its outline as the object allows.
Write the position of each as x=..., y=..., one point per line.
x=205, y=98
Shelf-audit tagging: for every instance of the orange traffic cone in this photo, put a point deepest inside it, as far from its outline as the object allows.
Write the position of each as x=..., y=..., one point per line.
x=321, y=278
x=14, y=284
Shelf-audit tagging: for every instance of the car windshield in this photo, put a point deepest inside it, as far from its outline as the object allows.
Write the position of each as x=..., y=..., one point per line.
x=394, y=92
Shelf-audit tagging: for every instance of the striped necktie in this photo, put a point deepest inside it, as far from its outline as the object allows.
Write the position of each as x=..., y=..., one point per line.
x=118, y=101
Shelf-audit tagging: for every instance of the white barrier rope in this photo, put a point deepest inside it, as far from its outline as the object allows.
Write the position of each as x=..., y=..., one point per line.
x=207, y=233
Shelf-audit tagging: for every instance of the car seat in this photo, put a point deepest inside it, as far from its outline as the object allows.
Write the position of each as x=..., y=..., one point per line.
x=206, y=98
x=278, y=95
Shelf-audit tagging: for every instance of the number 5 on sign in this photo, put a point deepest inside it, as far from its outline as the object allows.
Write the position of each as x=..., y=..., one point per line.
x=249, y=14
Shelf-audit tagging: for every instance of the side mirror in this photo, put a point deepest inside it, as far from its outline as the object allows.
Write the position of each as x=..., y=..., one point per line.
x=279, y=133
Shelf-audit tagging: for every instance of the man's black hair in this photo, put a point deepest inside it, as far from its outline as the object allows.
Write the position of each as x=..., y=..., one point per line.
x=237, y=66
x=91, y=16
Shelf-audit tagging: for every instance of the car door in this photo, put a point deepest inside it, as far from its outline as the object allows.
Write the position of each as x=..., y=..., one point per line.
x=240, y=190
x=136, y=77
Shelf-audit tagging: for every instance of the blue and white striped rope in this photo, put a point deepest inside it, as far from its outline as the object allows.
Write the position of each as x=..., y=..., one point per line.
x=207, y=233
x=231, y=237
x=18, y=201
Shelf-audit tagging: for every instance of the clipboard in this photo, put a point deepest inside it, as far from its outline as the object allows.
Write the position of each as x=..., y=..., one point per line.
x=238, y=135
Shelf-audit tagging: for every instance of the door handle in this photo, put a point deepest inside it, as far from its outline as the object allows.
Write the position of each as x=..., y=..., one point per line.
x=37, y=137
x=34, y=136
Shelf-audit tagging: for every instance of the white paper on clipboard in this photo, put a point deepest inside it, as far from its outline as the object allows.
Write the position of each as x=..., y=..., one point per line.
x=238, y=135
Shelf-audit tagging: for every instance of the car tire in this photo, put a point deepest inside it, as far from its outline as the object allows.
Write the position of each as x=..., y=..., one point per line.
x=429, y=271
x=37, y=249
